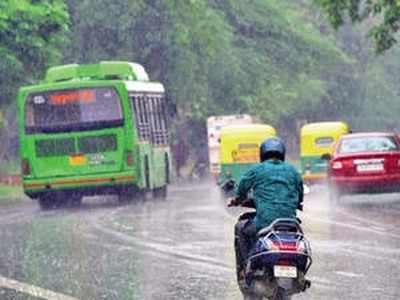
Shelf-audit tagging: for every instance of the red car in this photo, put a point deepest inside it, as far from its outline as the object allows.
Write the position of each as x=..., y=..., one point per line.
x=365, y=163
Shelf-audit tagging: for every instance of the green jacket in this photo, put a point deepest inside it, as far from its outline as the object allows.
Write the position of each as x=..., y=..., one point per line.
x=277, y=190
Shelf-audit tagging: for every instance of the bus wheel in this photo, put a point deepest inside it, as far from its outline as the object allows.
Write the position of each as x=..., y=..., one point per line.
x=127, y=195
x=125, y=198
x=75, y=201
x=46, y=202
x=160, y=192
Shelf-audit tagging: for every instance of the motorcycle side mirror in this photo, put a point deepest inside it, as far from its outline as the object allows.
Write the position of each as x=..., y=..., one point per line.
x=228, y=186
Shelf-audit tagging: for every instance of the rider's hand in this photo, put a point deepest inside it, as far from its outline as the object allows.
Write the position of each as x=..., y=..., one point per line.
x=233, y=202
x=300, y=206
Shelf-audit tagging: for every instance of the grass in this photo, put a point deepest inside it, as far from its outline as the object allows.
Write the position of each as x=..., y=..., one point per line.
x=10, y=194
x=11, y=167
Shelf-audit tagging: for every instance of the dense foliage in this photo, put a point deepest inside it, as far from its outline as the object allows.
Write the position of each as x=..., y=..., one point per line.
x=31, y=33
x=383, y=15
x=276, y=59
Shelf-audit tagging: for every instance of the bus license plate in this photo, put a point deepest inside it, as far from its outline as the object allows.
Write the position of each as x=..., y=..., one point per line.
x=285, y=271
x=77, y=160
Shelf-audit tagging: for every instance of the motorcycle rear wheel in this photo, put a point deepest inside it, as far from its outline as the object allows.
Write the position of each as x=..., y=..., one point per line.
x=281, y=295
x=251, y=297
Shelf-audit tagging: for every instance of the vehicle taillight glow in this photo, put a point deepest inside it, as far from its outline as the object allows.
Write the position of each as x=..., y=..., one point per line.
x=302, y=246
x=288, y=247
x=26, y=168
x=129, y=158
x=270, y=245
x=337, y=165
x=277, y=246
x=284, y=263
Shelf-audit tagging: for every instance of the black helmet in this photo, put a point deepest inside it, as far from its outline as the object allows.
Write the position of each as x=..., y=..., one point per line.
x=272, y=148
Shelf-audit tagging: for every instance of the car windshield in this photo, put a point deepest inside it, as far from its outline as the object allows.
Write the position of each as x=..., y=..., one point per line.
x=75, y=109
x=368, y=144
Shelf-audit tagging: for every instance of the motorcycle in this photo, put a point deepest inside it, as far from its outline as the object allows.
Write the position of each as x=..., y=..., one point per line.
x=278, y=261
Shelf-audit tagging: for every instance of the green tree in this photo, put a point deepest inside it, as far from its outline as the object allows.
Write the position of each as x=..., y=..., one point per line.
x=383, y=15
x=31, y=33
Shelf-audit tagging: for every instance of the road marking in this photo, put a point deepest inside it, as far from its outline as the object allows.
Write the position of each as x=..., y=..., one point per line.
x=32, y=290
x=348, y=274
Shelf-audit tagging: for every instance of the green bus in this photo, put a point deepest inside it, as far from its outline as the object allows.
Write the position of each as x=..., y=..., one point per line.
x=93, y=130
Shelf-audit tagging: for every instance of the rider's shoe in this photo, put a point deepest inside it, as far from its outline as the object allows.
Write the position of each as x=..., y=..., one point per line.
x=307, y=284
x=242, y=279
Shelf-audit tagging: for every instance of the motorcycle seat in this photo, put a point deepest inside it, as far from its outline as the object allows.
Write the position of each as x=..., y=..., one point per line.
x=279, y=225
x=247, y=215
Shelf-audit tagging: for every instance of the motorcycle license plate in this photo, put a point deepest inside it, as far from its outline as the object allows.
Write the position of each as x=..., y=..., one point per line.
x=285, y=271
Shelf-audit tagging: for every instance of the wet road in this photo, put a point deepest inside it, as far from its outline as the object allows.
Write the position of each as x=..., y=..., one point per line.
x=182, y=248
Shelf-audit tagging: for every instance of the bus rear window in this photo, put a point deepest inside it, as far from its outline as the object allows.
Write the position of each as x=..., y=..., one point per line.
x=74, y=109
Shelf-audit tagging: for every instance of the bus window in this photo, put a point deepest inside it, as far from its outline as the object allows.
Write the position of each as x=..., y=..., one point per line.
x=74, y=109
x=163, y=121
x=163, y=115
x=144, y=110
x=140, y=109
x=154, y=120
x=155, y=113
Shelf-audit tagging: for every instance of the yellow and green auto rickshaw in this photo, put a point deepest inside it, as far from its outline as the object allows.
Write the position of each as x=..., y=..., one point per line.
x=316, y=147
x=240, y=149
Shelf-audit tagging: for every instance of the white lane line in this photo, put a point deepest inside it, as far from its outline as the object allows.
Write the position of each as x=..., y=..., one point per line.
x=32, y=290
x=348, y=274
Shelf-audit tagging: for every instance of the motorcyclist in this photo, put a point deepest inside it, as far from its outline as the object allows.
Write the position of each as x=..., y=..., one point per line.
x=277, y=192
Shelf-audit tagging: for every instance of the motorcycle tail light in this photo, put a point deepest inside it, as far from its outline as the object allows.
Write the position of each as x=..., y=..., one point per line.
x=270, y=245
x=304, y=247
x=301, y=246
x=284, y=262
x=25, y=167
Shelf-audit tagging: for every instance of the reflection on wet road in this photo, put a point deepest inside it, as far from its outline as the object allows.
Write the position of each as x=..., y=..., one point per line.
x=182, y=248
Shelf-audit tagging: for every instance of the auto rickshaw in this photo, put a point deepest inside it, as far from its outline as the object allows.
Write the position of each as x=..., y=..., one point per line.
x=316, y=147
x=240, y=149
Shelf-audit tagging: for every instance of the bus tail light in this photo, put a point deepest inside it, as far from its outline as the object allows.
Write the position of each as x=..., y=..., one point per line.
x=129, y=158
x=25, y=166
